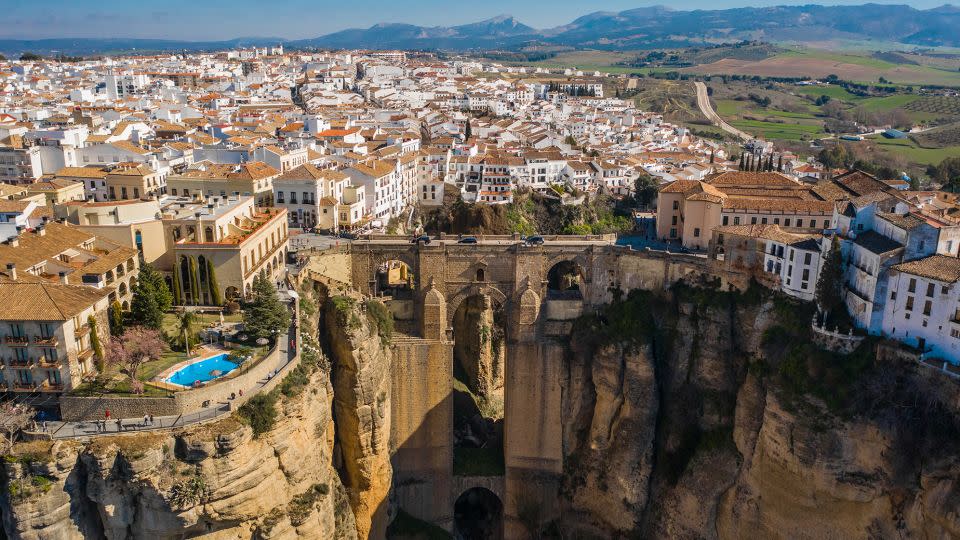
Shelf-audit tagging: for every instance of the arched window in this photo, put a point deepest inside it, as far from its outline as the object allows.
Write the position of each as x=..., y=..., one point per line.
x=208, y=234
x=480, y=275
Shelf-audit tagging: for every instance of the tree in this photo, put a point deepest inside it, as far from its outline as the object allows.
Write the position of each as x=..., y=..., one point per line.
x=265, y=316
x=177, y=288
x=829, y=291
x=467, y=132
x=213, y=285
x=780, y=164
x=645, y=189
x=131, y=350
x=95, y=342
x=151, y=298
x=186, y=320
x=742, y=161
x=29, y=57
x=194, y=280
x=116, y=318
x=14, y=418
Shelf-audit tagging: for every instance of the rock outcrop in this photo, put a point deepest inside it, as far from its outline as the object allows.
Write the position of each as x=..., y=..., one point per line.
x=361, y=381
x=214, y=480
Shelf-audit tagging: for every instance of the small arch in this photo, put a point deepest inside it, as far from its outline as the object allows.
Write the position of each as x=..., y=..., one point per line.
x=480, y=274
x=478, y=514
x=130, y=265
x=125, y=305
x=394, y=278
x=565, y=280
x=123, y=289
x=208, y=234
x=231, y=293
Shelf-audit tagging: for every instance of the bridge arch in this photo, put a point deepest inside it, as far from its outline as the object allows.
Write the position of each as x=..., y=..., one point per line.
x=478, y=513
x=475, y=289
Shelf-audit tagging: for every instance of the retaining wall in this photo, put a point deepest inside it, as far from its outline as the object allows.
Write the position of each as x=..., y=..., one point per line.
x=77, y=408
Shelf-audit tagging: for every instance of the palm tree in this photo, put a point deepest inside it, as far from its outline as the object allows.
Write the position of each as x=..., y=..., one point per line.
x=185, y=323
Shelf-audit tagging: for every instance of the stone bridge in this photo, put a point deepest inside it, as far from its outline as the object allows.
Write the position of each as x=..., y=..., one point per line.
x=537, y=318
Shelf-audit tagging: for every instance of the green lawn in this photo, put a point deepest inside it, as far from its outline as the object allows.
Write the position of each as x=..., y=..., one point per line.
x=774, y=130
x=889, y=103
x=834, y=91
x=910, y=151
x=169, y=325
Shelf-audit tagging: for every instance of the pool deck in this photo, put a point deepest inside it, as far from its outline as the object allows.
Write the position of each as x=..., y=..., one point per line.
x=205, y=352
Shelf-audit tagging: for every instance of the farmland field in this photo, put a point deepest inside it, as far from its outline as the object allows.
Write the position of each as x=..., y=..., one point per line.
x=913, y=153
x=816, y=63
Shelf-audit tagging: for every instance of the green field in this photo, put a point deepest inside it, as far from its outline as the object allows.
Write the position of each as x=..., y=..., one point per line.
x=910, y=151
x=774, y=130
x=889, y=103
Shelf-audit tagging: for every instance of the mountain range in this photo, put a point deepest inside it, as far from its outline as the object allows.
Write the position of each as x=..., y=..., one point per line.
x=642, y=28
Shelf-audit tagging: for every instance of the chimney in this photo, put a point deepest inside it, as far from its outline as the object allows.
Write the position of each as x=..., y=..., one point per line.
x=41, y=231
x=64, y=279
x=14, y=241
x=12, y=271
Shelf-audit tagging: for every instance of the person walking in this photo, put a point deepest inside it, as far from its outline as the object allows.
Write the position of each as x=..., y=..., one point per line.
x=151, y=419
x=119, y=425
x=146, y=420
x=106, y=414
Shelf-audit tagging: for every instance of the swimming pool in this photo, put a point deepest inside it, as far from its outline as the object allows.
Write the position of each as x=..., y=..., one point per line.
x=202, y=371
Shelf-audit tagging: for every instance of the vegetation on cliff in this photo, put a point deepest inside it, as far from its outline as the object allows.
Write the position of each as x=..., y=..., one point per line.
x=532, y=213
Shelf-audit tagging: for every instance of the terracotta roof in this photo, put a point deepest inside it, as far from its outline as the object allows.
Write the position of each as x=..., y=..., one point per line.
x=37, y=300
x=938, y=267
x=860, y=183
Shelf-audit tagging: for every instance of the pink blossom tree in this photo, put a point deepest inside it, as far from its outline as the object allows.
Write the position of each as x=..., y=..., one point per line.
x=14, y=418
x=132, y=349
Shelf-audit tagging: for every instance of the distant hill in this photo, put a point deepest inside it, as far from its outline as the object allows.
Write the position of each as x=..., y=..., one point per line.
x=642, y=28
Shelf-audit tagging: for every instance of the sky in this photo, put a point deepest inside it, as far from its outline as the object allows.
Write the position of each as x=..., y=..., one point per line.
x=203, y=20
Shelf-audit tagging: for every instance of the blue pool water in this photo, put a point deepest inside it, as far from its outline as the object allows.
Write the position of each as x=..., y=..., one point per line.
x=202, y=371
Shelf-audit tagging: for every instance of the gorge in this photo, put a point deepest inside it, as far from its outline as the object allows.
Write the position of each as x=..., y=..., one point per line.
x=580, y=390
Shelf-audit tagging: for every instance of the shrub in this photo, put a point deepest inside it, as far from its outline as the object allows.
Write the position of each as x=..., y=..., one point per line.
x=260, y=412
x=381, y=318
x=189, y=492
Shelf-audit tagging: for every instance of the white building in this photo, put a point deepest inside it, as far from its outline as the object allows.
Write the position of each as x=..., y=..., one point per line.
x=924, y=306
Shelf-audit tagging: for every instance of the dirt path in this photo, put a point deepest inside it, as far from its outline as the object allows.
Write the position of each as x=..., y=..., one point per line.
x=703, y=101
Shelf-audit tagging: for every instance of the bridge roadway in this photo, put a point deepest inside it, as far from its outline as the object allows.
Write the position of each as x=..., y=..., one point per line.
x=490, y=240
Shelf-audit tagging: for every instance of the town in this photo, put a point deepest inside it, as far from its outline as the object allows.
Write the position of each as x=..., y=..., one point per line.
x=219, y=161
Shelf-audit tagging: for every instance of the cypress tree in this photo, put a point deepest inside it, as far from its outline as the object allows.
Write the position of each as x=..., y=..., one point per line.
x=214, y=287
x=742, y=161
x=151, y=298
x=177, y=290
x=194, y=281
x=780, y=164
x=829, y=292
x=116, y=318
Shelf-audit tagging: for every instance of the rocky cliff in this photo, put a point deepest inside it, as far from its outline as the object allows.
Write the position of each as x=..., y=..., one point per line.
x=216, y=480
x=715, y=418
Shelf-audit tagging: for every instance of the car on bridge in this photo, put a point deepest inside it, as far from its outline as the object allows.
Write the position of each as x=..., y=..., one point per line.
x=468, y=240
x=535, y=240
x=422, y=238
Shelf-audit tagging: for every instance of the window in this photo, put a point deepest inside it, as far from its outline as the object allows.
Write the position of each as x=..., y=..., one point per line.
x=927, y=306
x=826, y=224
x=806, y=274
x=944, y=289
x=799, y=222
x=909, y=306
x=753, y=221
x=696, y=232
x=726, y=219
x=736, y=220
x=922, y=244
x=791, y=254
x=293, y=197
x=280, y=197
x=913, y=285
x=776, y=221
x=930, y=289
x=763, y=221
x=786, y=222
x=673, y=233
x=16, y=330
x=893, y=295
x=676, y=205
x=807, y=258
x=674, y=221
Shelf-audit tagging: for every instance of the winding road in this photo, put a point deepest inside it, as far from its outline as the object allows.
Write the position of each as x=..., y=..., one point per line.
x=703, y=101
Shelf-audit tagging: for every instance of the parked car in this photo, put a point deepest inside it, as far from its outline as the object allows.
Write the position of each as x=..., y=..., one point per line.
x=535, y=240
x=422, y=238
x=467, y=240
x=349, y=235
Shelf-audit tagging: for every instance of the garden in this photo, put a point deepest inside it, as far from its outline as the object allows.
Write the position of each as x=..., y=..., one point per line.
x=154, y=339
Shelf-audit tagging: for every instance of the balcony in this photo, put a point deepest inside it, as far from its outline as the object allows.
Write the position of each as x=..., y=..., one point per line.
x=49, y=363
x=19, y=362
x=48, y=386
x=17, y=341
x=83, y=355
x=50, y=341
x=23, y=386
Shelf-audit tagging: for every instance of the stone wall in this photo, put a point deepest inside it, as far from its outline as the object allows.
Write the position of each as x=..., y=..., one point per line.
x=77, y=408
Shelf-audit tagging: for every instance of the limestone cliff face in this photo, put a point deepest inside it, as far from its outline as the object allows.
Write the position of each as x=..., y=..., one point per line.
x=212, y=481
x=687, y=438
x=361, y=363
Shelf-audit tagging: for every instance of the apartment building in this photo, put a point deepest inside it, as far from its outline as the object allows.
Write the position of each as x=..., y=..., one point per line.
x=20, y=162
x=252, y=179
x=302, y=191
x=923, y=307
x=130, y=223
x=47, y=328
x=59, y=252
x=381, y=182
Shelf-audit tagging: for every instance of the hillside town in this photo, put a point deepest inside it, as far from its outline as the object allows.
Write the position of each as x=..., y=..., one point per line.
x=204, y=166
